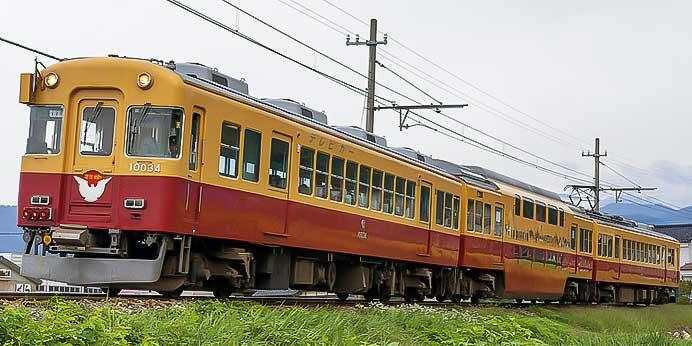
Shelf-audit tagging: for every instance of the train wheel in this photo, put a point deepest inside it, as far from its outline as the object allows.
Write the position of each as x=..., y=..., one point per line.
x=342, y=296
x=456, y=299
x=475, y=299
x=519, y=300
x=440, y=299
x=370, y=295
x=111, y=292
x=385, y=298
x=221, y=291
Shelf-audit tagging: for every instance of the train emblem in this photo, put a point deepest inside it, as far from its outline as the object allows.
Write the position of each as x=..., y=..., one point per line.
x=92, y=184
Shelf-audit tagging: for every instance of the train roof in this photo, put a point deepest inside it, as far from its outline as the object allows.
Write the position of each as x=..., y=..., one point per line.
x=455, y=172
x=620, y=222
x=514, y=182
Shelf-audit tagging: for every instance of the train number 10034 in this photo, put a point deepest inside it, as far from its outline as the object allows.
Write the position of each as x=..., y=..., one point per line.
x=145, y=167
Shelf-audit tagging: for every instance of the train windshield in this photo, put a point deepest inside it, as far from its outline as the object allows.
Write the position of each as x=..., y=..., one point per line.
x=154, y=132
x=45, y=128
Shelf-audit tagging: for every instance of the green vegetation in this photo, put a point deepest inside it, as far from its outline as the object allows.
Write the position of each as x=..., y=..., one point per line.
x=122, y=322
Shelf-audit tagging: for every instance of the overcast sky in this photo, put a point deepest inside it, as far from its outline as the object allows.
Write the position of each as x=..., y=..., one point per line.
x=619, y=70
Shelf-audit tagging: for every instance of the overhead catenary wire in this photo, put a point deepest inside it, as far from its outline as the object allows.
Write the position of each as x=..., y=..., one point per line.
x=19, y=45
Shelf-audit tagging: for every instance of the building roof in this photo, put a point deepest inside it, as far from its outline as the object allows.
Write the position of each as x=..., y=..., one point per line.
x=15, y=268
x=687, y=266
x=681, y=232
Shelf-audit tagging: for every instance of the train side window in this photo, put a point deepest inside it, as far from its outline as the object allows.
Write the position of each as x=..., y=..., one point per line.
x=194, y=142
x=617, y=247
x=448, y=210
x=456, y=205
x=585, y=240
x=440, y=208
x=336, y=181
x=517, y=206
x=526, y=253
x=478, y=224
x=552, y=215
x=230, y=146
x=364, y=187
x=376, y=203
x=469, y=215
x=305, y=176
x=351, y=182
x=600, y=245
x=540, y=211
x=410, y=199
x=499, y=220
x=45, y=129
x=252, y=148
x=424, y=204
x=562, y=218
x=388, y=204
x=321, y=175
x=278, y=164
x=399, y=196
x=609, y=244
x=528, y=208
x=487, y=218
x=573, y=237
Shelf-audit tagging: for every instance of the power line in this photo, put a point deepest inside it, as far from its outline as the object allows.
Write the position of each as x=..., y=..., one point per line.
x=456, y=76
x=252, y=40
x=31, y=49
x=407, y=81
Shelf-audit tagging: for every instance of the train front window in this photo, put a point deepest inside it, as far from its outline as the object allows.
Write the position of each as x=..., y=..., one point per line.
x=154, y=132
x=45, y=129
x=96, y=137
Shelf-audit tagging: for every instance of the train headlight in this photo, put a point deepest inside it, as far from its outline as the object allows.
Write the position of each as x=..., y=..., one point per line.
x=47, y=239
x=51, y=80
x=144, y=80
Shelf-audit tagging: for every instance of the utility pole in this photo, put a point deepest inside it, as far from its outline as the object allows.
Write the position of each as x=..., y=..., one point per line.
x=372, y=44
x=596, y=175
x=595, y=190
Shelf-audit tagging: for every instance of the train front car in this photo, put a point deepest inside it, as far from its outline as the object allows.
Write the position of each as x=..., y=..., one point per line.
x=103, y=155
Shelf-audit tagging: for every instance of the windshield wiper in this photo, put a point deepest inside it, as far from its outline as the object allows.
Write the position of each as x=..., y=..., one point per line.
x=137, y=123
x=94, y=115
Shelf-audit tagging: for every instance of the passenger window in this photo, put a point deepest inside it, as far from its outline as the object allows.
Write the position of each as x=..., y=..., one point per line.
x=410, y=199
x=399, y=196
x=425, y=204
x=364, y=187
x=439, y=208
x=487, y=215
x=448, y=210
x=96, y=137
x=562, y=218
x=194, y=139
x=278, y=164
x=517, y=206
x=351, y=181
x=469, y=215
x=230, y=146
x=573, y=238
x=307, y=158
x=540, y=212
x=478, y=226
x=499, y=220
x=388, y=194
x=455, y=212
x=552, y=215
x=528, y=208
x=376, y=203
x=337, y=180
x=252, y=147
x=321, y=175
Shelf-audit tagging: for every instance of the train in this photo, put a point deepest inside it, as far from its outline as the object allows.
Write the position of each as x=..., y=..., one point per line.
x=165, y=176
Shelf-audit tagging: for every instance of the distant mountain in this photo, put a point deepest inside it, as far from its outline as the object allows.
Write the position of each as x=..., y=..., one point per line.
x=652, y=214
x=8, y=225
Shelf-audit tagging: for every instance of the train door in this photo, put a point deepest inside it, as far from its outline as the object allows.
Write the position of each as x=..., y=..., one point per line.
x=618, y=255
x=193, y=200
x=424, y=216
x=279, y=172
x=665, y=264
x=574, y=245
x=90, y=196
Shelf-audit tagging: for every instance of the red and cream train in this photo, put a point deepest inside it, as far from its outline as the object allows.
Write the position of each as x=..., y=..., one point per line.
x=164, y=176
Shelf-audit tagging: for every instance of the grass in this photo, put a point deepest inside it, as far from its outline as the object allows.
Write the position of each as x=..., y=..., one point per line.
x=59, y=322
